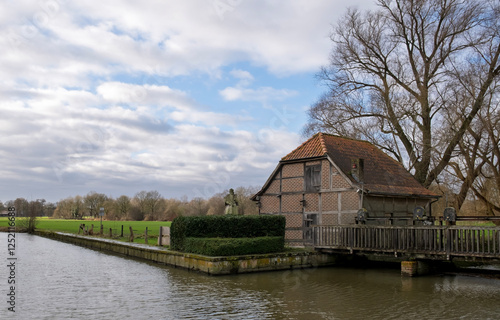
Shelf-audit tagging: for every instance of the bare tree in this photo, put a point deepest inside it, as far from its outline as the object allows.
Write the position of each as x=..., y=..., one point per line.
x=216, y=204
x=153, y=202
x=140, y=201
x=487, y=186
x=196, y=207
x=173, y=208
x=35, y=210
x=49, y=209
x=70, y=208
x=93, y=201
x=148, y=203
x=245, y=205
x=122, y=206
x=22, y=207
x=394, y=74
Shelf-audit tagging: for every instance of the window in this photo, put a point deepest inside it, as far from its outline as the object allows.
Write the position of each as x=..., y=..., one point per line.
x=313, y=178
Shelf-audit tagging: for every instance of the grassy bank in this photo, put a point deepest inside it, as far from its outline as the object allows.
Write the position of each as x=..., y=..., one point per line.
x=72, y=226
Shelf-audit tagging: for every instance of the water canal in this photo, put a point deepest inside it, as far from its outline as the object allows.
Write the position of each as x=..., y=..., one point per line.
x=55, y=280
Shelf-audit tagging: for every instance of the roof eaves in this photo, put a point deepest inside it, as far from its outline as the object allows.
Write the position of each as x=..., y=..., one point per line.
x=392, y=194
x=304, y=159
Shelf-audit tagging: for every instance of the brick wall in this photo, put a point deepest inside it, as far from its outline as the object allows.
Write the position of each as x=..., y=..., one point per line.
x=339, y=182
x=291, y=203
x=293, y=234
x=312, y=202
x=330, y=218
x=313, y=163
x=348, y=218
x=350, y=200
x=274, y=187
x=329, y=201
x=292, y=191
x=293, y=170
x=325, y=174
x=269, y=204
x=292, y=185
x=294, y=220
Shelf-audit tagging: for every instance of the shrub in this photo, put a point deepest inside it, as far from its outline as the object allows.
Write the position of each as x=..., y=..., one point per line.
x=233, y=246
x=228, y=226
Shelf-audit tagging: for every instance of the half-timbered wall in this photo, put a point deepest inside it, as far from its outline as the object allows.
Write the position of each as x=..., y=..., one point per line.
x=334, y=201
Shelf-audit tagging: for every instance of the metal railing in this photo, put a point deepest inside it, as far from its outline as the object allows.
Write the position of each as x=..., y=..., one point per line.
x=437, y=240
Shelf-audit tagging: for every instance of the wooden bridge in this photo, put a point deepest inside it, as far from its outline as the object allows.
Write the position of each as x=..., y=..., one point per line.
x=429, y=242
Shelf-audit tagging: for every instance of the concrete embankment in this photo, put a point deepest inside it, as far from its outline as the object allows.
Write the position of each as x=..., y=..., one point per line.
x=204, y=264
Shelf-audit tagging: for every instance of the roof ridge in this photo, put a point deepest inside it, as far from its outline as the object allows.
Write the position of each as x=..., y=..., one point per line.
x=322, y=142
x=346, y=138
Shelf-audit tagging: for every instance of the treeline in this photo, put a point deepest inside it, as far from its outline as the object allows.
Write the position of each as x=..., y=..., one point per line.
x=145, y=205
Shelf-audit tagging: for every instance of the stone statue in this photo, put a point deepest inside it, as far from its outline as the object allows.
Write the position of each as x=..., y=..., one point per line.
x=231, y=203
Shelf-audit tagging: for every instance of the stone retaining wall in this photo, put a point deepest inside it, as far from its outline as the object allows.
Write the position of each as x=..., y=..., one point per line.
x=205, y=264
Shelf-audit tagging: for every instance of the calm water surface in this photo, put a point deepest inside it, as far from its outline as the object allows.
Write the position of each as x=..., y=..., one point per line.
x=56, y=280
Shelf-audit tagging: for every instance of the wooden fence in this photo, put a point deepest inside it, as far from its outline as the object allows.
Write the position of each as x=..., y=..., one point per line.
x=433, y=240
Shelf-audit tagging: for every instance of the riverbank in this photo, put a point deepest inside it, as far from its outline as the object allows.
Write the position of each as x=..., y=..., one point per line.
x=199, y=263
x=118, y=230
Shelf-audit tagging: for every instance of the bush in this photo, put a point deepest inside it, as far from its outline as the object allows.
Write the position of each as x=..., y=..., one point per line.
x=233, y=246
x=228, y=226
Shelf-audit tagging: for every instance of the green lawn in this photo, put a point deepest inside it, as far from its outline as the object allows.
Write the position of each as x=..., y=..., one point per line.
x=72, y=226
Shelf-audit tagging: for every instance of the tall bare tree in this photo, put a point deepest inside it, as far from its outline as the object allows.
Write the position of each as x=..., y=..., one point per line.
x=71, y=207
x=122, y=206
x=93, y=201
x=394, y=75
x=148, y=203
x=487, y=185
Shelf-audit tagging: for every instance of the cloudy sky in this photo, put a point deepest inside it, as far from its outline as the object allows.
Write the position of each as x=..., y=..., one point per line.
x=183, y=97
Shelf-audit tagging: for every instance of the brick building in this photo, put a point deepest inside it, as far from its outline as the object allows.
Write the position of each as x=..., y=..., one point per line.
x=329, y=180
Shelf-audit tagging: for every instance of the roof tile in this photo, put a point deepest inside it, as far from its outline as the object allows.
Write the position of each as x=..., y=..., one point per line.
x=382, y=174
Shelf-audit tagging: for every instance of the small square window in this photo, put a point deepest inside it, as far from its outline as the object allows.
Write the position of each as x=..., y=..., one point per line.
x=313, y=178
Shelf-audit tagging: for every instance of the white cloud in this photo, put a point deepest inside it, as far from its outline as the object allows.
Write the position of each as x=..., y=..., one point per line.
x=134, y=94
x=112, y=96
x=171, y=38
x=261, y=94
x=245, y=77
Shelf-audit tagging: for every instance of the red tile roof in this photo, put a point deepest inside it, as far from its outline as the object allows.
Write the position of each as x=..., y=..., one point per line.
x=382, y=174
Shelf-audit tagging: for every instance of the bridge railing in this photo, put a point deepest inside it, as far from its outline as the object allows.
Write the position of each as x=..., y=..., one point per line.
x=444, y=240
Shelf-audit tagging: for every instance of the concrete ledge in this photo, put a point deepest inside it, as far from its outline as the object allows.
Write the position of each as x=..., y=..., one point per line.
x=204, y=264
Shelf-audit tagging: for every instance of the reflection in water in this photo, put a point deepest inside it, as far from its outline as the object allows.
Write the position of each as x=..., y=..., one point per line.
x=61, y=281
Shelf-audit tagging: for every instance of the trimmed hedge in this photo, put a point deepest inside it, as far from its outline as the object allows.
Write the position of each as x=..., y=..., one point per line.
x=233, y=246
x=227, y=226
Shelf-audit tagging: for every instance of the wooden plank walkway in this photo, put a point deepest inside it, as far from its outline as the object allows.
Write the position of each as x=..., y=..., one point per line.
x=441, y=241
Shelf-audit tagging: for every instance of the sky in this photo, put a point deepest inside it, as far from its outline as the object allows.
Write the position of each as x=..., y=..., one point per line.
x=188, y=98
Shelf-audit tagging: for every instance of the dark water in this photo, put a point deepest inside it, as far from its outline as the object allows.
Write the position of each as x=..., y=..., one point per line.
x=55, y=280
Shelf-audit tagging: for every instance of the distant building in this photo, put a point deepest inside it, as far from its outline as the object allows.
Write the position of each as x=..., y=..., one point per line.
x=331, y=180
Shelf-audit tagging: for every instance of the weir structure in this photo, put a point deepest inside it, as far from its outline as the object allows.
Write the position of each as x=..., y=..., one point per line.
x=417, y=247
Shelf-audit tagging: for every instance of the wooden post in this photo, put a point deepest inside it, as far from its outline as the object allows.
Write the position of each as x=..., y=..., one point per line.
x=131, y=238
x=121, y=235
x=146, y=236
x=160, y=237
x=110, y=233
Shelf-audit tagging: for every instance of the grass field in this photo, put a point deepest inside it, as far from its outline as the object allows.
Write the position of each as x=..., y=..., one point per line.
x=72, y=226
